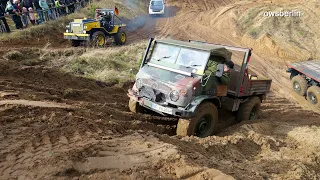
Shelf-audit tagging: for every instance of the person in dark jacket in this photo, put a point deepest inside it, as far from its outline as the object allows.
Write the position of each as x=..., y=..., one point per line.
x=27, y=3
x=13, y=10
x=3, y=19
x=38, y=10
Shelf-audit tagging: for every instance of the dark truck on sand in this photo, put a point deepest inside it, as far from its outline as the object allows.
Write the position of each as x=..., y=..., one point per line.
x=171, y=80
x=305, y=78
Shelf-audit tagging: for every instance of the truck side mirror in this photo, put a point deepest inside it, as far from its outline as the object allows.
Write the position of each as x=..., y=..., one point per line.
x=220, y=69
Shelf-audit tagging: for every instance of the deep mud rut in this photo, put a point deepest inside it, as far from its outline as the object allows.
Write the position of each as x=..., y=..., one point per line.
x=90, y=133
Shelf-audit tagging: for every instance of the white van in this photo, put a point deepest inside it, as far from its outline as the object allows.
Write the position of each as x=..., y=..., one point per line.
x=156, y=7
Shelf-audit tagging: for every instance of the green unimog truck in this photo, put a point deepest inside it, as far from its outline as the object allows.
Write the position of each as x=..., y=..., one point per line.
x=171, y=82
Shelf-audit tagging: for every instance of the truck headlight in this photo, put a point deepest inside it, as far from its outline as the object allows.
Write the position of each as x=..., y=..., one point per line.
x=67, y=30
x=139, y=83
x=174, y=95
x=84, y=31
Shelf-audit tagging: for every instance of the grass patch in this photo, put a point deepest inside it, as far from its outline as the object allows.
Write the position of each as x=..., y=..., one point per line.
x=13, y=55
x=71, y=93
x=112, y=65
x=255, y=32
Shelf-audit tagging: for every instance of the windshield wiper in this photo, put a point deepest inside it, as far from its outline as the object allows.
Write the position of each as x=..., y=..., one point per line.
x=164, y=57
x=194, y=65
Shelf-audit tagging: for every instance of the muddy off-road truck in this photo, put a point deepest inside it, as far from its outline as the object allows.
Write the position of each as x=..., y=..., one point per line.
x=172, y=79
x=96, y=32
x=305, y=78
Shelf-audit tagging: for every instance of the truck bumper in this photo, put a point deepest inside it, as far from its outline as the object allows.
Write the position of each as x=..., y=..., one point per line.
x=72, y=36
x=151, y=12
x=156, y=107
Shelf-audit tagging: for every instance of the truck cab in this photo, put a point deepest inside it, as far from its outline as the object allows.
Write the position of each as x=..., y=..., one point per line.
x=172, y=82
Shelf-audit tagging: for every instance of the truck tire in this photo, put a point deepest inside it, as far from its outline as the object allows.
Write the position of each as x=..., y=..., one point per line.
x=98, y=39
x=299, y=85
x=313, y=95
x=249, y=110
x=120, y=38
x=75, y=43
x=135, y=107
x=202, y=124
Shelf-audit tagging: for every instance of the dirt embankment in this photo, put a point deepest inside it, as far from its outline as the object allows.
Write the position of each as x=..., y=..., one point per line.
x=58, y=126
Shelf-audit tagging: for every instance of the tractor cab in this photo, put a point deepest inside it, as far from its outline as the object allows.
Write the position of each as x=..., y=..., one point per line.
x=106, y=18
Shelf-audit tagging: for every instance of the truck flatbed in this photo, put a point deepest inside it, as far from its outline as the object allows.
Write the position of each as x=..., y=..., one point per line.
x=309, y=68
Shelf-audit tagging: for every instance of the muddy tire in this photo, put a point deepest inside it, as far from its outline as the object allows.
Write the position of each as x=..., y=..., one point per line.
x=249, y=110
x=75, y=43
x=98, y=39
x=202, y=124
x=313, y=95
x=120, y=38
x=135, y=107
x=299, y=85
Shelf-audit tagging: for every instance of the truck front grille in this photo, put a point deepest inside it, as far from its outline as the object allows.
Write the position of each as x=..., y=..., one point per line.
x=156, y=85
x=152, y=94
x=76, y=28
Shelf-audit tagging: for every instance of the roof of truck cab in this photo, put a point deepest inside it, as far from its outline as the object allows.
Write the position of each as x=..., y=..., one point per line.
x=213, y=49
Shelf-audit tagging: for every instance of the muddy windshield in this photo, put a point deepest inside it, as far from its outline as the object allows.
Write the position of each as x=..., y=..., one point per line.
x=156, y=3
x=181, y=58
x=149, y=72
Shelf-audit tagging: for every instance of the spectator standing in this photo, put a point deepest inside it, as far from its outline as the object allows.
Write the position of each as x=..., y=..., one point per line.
x=43, y=4
x=24, y=17
x=70, y=6
x=39, y=10
x=13, y=10
x=3, y=19
x=57, y=5
x=31, y=16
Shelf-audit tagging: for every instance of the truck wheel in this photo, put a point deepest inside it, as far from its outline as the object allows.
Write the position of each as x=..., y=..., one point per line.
x=75, y=43
x=120, y=38
x=249, y=110
x=202, y=124
x=135, y=107
x=300, y=85
x=313, y=95
x=98, y=39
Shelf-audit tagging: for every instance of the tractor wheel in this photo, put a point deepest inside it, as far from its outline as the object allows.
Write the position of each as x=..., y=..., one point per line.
x=98, y=39
x=75, y=43
x=249, y=110
x=202, y=124
x=135, y=107
x=120, y=38
x=313, y=95
x=300, y=85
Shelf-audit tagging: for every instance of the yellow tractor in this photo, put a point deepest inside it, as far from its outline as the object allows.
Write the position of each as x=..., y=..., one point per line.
x=96, y=32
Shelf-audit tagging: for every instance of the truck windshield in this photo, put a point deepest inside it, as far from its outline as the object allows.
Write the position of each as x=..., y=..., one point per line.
x=156, y=3
x=176, y=56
